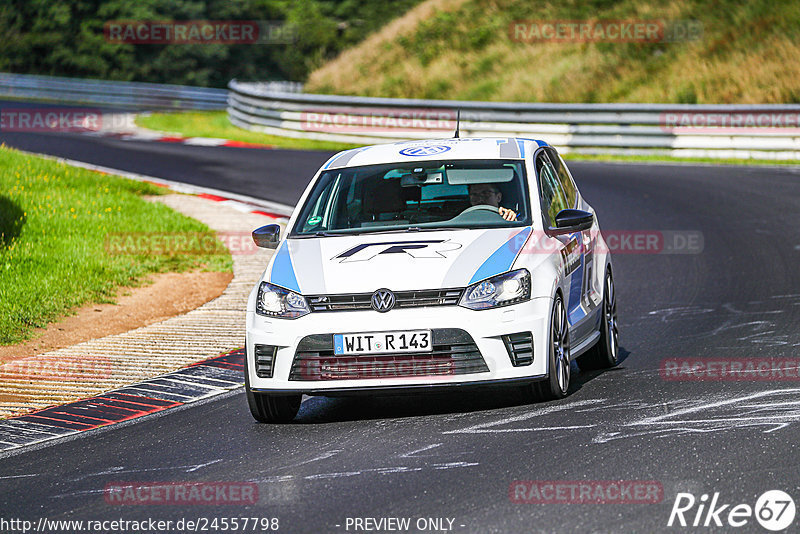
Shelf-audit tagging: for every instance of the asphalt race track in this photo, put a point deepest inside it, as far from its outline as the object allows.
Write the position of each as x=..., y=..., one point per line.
x=456, y=455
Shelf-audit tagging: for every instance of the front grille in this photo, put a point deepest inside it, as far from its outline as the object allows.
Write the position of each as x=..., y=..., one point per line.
x=265, y=360
x=454, y=353
x=520, y=348
x=403, y=299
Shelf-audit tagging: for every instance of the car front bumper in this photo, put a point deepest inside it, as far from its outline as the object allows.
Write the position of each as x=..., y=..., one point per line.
x=485, y=327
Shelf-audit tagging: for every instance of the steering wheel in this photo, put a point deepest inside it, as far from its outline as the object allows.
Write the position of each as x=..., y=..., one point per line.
x=479, y=207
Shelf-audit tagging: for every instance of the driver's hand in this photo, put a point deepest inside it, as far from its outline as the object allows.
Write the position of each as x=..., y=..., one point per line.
x=507, y=214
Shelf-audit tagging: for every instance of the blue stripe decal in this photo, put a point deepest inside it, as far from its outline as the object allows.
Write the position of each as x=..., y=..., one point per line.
x=343, y=158
x=501, y=259
x=537, y=141
x=283, y=271
x=328, y=163
x=576, y=315
x=521, y=145
x=575, y=310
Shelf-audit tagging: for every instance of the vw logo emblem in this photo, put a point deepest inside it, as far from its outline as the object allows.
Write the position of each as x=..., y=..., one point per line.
x=424, y=150
x=382, y=300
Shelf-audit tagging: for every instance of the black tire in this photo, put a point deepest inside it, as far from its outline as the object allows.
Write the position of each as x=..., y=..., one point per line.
x=556, y=385
x=270, y=408
x=605, y=353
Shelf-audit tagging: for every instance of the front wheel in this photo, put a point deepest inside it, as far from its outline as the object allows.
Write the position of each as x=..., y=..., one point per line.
x=270, y=408
x=605, y=353
x=556, y=384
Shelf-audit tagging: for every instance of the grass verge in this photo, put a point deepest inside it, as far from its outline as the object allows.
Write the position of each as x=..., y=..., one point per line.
x=216, y=124
x=55, y=221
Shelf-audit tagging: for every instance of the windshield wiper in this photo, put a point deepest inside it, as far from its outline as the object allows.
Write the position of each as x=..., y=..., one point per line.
x=436, y=228
x=409, y=229
x=320, y=233
x=413, y=229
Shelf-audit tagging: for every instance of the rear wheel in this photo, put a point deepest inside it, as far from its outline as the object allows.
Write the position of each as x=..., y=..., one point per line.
x=556, y=384
x=605, y=352
x=270, y=408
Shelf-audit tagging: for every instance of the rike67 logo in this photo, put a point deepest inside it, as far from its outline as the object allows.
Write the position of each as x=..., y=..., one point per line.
x=774, y=510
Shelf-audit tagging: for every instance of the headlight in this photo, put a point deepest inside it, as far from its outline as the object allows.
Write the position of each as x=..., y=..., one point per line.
x=274, y=301
x=501, y=290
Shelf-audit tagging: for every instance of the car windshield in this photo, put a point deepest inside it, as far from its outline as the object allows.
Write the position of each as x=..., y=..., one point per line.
x=407, y=197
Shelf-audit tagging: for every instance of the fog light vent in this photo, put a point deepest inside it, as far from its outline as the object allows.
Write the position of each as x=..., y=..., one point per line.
x=265, y=358
x=520, y=348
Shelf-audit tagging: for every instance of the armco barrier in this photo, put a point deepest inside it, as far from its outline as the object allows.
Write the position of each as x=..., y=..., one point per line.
x=122, y=95
x=728, y=131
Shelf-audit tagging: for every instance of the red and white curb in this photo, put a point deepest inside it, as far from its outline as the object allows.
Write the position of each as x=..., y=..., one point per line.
x=201, y=380
x=194, y=141
x=123, y=126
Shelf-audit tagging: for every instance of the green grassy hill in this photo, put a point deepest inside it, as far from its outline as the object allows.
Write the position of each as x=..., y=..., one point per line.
x=749, y=52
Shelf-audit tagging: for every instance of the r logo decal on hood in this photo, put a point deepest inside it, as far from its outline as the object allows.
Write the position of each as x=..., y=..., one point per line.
x=415, y=249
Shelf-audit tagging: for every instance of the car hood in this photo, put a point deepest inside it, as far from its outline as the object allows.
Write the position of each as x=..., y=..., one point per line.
x=402, y=261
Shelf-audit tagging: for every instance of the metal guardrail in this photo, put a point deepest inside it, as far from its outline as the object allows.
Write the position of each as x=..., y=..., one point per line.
x=122, y=95
x=736, y=131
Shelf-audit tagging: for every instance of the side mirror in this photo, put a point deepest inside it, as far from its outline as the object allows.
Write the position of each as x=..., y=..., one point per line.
x=267, y=236
x=569, y=221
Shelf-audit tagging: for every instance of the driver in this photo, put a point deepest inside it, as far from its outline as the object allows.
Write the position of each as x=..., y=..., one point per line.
x=489, y=194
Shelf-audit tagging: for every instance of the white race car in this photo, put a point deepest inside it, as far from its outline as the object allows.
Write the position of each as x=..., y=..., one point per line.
x=426, y=264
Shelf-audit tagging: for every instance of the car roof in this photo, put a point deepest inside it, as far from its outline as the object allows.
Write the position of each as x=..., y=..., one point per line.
x=436, y=149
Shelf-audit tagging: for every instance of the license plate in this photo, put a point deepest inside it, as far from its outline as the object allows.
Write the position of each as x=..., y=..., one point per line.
x=383, y=342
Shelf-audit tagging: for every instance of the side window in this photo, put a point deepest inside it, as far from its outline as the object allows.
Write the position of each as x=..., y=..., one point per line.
x=552, y=196
x=320, y=213
x=564, y=178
